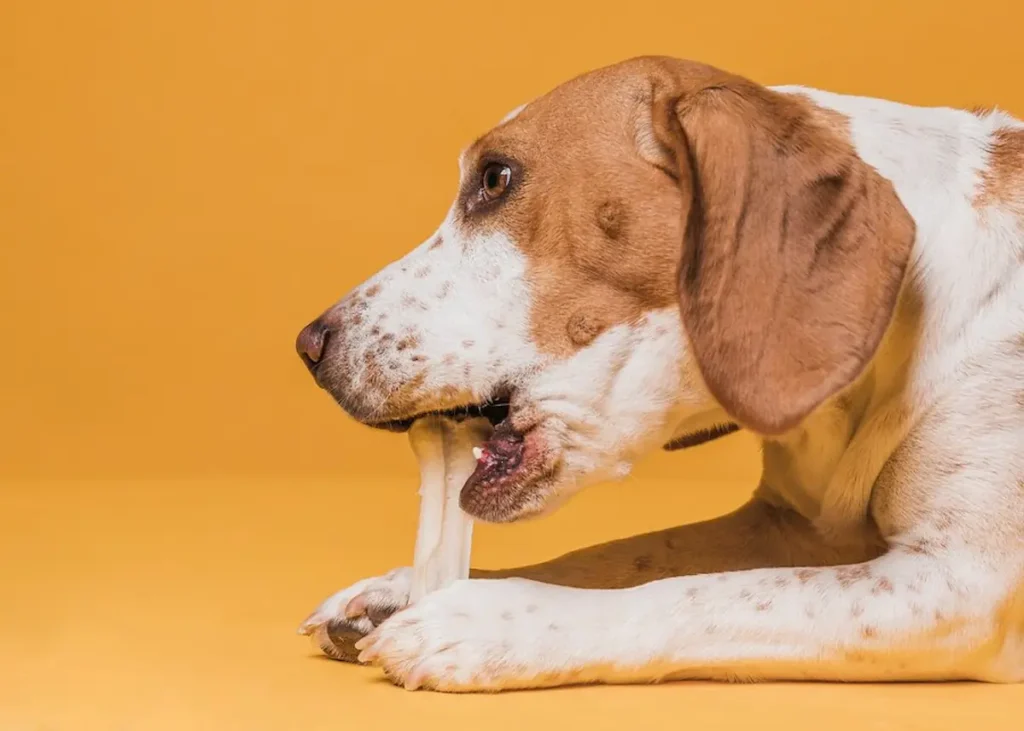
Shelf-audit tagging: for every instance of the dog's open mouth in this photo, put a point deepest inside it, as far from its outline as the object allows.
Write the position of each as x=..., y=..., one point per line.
x=504, y=463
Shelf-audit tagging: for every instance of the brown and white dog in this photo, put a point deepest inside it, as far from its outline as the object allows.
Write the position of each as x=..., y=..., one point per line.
x=650, y=255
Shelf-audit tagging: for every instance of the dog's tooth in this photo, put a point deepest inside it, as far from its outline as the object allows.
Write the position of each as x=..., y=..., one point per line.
x=478, y=452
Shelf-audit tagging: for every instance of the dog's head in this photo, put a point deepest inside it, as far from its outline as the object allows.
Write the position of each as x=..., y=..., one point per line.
x=650, y=250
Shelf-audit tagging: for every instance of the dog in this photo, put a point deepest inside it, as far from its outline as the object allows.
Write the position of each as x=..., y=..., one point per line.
x=655, y=254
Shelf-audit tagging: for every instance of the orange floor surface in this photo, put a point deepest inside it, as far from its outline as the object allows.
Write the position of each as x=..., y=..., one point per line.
x=173, y=605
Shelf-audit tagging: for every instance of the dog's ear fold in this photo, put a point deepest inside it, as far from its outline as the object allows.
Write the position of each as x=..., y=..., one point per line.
x=794, y=251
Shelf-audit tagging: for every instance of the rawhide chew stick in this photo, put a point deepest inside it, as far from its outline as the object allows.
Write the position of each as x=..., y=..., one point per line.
x=445, y=451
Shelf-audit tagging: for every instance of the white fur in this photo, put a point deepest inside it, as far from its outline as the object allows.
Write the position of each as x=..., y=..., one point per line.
x=946, y=601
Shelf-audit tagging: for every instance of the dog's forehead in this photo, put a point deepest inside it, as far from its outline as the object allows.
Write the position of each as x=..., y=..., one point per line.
x=593, y=108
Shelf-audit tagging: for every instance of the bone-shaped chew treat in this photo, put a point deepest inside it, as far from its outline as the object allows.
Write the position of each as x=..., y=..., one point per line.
x=445, y=452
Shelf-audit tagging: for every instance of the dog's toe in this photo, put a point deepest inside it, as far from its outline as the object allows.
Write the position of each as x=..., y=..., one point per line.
x=346, y=616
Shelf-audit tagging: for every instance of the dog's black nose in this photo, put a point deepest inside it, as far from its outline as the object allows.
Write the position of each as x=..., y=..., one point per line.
x=311, y=342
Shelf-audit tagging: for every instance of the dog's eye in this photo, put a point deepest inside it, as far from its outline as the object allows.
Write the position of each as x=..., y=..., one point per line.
x=495, y=181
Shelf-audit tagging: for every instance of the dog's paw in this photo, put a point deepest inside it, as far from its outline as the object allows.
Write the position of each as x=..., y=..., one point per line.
x=350, y=614
x=481, y=635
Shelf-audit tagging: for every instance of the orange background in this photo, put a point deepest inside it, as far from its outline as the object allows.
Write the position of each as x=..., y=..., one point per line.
x=183, y=185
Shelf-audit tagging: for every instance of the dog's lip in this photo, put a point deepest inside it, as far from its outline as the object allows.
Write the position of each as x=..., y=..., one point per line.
x=496, y=492
x=495, y=410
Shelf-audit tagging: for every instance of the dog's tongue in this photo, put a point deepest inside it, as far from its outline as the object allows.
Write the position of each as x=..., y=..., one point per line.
x=498, y=457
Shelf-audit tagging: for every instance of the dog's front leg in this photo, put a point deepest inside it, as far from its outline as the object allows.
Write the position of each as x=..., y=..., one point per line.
x=905, y=615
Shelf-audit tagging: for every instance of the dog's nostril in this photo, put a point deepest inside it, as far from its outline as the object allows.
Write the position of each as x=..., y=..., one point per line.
x=311, y=342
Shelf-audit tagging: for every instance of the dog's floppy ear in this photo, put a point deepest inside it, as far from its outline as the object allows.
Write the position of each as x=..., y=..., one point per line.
x=794, y=254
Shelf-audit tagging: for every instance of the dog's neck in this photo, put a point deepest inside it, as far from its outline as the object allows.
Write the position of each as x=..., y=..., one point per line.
x=827, y=468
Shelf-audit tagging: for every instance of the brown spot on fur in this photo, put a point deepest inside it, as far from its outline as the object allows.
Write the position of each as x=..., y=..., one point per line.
x=1003, y=178
x=583, y=327
x=868, y=632
x=372, y=291
x=436, y=244
x=418, y=358
x=643, y=563
x=920, y=547
x=781, y=582
x=764, y=606
x=422, y=273
x=847, y=576
x=414, y=303
x=610, y=218
x=407, y=342
x=670, y=544
x=805, y=575
x=375, y=330
x=882, y=586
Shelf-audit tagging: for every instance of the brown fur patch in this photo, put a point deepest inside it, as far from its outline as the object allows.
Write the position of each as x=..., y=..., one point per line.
x=413, y=303
x=372, y=291
x=847, y=576
x=583, y=327
x=670, y=128
x=610, y=218
x=882, y=586
x=1003, y=178
x=805, y=575
x=436, y=244
x=410, y=341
